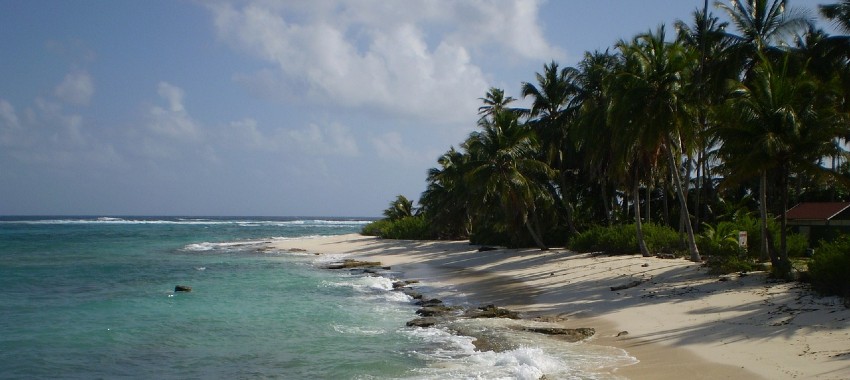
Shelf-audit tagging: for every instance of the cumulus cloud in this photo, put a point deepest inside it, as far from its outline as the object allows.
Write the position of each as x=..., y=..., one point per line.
x=10, y=125
x=173, y=121
x=390, y=146
x=334, y=139
x=398, y=57
x=76, y=89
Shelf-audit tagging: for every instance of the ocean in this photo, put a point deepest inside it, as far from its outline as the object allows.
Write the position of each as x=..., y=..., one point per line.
x=93, y=297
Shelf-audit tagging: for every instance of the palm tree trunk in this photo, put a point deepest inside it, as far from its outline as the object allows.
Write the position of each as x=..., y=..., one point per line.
x=697, y=196
x=785, y=264
x=605, y=206
x=570, y=222
x=638, y=226
x=648, y=199
x=765, y=245
x=535, y=235
x=665, y=187
x=683, y=203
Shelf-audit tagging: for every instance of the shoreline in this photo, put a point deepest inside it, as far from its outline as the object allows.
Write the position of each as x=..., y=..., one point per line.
x=677, y=321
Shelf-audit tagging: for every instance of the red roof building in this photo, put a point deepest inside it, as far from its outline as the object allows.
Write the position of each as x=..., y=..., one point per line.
x=820, y=220
x=823, y=212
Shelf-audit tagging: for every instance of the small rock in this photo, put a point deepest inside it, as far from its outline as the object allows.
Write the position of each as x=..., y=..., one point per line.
x=645, y=265
x=434, y=311
x=491, y=311
x=401, y=284
x=182, y=288
x=571, y=335
x=430, y=302
x=349, y=263
x=423, y=322
x=622, y=333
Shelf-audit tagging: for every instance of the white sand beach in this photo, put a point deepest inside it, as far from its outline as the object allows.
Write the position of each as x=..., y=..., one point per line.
x=679, y=322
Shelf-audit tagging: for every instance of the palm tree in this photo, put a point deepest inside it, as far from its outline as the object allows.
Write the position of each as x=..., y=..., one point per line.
x=839, y=13
x=763, y=24
x=445, y=201
x=495, y=101
x=780, y=122
x=648, y=103
x=503, y=167
x=706, y=37
x=400, y=208
x=549, y=119
x=593, y=133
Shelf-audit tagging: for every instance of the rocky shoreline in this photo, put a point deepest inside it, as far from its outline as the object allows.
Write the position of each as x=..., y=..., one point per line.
x=434, y=312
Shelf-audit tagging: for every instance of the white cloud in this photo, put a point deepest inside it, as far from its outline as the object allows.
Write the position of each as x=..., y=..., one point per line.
x=8, y=115
x=390, y=146
x=10, y=126
x=334, y=139
x=173, y=122
x=398, y=57
x=76, y=89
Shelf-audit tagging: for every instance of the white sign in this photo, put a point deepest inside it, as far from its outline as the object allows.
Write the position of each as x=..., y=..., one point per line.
x=742, y=239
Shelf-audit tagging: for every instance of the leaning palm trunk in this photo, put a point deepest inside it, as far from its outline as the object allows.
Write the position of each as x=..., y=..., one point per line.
x=535, y=235
x=638, y=225
x=683, y=203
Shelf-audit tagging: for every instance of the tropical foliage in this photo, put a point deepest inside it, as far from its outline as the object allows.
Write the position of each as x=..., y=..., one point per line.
x=699, y=130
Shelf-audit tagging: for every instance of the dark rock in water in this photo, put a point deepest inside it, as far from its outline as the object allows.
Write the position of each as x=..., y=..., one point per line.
x=430, y=302
x=182, y=288
x=435, y=311
x=423, y=322
x=486, y=248
x=570, y=335
x=491, y=311
x=401, y=284
x=622, y=333
x=349, y=264
x=414, y=295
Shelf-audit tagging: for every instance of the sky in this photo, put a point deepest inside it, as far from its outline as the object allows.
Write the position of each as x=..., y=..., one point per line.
x=267, y=108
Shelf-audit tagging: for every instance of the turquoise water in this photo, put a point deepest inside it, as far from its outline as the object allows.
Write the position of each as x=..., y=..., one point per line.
x=94, y=298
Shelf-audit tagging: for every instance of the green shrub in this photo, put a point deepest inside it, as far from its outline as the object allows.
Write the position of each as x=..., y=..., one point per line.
x=375, y=228
x=829, y=269
x=721, y=240
x=409, y=228
x=796, y=244
x=729, y=264
x=622, y=239
x=661, y=239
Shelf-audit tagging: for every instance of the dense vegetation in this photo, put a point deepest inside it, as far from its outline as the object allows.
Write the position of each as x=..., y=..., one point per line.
x=672, y=140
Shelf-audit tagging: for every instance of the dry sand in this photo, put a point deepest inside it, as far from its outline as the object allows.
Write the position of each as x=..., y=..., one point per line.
x=680, y=322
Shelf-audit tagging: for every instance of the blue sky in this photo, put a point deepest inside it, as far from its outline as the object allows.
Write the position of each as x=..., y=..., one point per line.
x=294, y=108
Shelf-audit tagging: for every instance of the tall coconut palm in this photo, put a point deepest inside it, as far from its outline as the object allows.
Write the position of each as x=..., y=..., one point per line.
x=495, y=101
x=593, y=134
x=764, y=25
x=648, y=103
x=445, y=201
x=708, y=39
x=549, y=118
x=839, y=13
x=504, y=169
x=782, y=122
